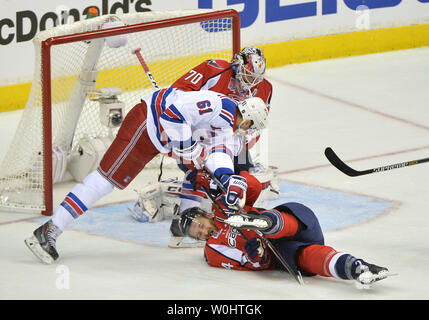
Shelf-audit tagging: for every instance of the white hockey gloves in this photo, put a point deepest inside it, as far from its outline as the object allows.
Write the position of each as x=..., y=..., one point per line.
x=192, y=157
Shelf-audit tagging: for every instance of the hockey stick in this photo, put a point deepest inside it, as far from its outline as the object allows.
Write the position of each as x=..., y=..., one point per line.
x=340, y=165
x=155, y=85
x=296, y=275
x=145, y=68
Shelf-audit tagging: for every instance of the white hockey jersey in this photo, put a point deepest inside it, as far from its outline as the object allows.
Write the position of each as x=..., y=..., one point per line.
x=177, y=118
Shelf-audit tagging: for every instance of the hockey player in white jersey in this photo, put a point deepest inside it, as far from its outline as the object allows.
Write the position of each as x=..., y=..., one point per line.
x=194, y=127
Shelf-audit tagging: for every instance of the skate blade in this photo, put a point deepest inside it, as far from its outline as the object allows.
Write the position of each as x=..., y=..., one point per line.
x=367, y=279
x=38, y=251
x=240, y=222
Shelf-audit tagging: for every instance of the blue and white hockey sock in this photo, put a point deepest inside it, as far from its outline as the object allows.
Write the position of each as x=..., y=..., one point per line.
x=348, y=267
x=80, y=198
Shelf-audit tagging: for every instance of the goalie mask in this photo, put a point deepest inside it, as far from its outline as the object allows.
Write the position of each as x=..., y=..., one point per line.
x=249, y=68
x=196, y=223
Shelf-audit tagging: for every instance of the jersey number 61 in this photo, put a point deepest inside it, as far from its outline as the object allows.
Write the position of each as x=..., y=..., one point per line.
x=204, y=107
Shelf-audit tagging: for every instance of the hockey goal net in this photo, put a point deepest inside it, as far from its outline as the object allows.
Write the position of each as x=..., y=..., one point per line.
x=79, y=64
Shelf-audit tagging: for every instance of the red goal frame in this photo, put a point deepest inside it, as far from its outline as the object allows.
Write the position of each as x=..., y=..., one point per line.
x=46, y=74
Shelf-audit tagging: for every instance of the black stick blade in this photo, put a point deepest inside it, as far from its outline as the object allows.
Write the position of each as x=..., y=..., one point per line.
x=340, y=165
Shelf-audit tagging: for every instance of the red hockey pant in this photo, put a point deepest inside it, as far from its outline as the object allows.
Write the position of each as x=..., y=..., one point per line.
x=131, y=150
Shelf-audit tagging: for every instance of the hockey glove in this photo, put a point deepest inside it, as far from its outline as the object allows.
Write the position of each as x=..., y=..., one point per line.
x=236, y=187
x=255, y=250
x=198, y=179
x=192, y=157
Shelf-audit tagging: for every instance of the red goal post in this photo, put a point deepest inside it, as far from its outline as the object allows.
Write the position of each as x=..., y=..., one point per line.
x=55, y=89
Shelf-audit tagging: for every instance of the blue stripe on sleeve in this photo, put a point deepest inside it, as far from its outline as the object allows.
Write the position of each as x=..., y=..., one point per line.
x=165, y=117
x=176, y=112
x=164, y=97
x=229, y=105
x=219, y=172
x=155, y=114
x=182, y=144
x=226, y=119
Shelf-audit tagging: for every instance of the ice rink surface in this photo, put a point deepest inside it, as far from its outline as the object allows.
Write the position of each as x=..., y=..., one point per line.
x=372, y=110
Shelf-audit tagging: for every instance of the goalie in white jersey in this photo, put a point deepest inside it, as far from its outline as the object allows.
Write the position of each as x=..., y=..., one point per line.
x=194, y=127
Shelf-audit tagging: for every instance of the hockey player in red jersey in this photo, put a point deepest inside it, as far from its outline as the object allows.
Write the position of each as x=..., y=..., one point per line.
x=291, y=227
x=242, y=77
x=191, y=126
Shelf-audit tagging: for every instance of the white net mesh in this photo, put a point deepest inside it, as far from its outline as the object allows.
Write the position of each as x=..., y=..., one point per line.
x=169, y=52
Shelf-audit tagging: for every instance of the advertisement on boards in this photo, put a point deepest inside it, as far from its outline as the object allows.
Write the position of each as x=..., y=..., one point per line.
x=262, y=21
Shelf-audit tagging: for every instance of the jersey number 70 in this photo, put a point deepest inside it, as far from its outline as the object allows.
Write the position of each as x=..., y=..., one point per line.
x=204, y=106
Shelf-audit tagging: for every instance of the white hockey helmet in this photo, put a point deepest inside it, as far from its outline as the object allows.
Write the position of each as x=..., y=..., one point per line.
x=254, y=109
x=249, y=67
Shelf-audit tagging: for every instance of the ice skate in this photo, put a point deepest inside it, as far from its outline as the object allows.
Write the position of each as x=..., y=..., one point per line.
x=367, y=274
x=249, y=221
x=43, y=242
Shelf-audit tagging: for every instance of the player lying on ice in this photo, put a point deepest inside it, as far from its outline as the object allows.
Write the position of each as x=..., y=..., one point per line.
x=291, y=227
x=191, y=126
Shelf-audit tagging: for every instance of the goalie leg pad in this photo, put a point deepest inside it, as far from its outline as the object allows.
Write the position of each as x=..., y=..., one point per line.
x=88, y=156
x=59, y=164
x=149, y=206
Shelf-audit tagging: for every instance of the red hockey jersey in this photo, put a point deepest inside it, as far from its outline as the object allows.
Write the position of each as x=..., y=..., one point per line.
x=226, y=248
x=217, y=75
